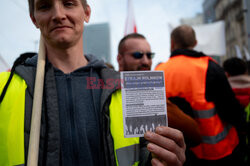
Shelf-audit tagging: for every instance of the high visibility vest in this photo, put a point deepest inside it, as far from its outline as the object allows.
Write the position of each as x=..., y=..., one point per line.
x=12, y=121
x=185, y=77
x=126, y=149
x=12, y=111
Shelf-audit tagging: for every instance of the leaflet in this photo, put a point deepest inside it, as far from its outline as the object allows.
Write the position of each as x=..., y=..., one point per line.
x=143, y=102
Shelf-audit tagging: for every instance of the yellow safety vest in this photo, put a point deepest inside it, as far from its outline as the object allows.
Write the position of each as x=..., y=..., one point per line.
x=126, y=149
x=12, y=121
x=12, y=111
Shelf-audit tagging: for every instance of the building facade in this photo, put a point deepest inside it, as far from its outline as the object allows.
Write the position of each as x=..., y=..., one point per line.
x=235, y=13
x=96, y=39
x=246, y=10
x=197, y=20
x=209, y=11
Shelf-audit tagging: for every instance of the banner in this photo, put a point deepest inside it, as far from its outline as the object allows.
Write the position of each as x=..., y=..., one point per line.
x=211, y=38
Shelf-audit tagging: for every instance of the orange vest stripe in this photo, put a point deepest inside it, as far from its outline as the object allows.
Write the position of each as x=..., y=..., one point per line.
x=185, y=77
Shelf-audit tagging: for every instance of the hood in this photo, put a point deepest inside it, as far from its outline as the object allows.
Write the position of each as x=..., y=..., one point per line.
x=240, y=81
x=31, y=61
x=92, y=61
x=187, y=52
x=94, y=64
x=27, y=69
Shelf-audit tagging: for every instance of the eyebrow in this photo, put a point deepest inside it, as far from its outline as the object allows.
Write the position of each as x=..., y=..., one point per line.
x=38, y=2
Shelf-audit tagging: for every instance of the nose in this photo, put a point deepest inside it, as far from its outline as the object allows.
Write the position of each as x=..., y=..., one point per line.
x=145, y=60
x=58, y=13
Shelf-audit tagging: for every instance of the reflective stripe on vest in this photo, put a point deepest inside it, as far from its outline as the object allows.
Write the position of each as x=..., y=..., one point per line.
x=12, y=121
x=203, y=114
x=189, y=82
x=217, y=138
x=126, y=149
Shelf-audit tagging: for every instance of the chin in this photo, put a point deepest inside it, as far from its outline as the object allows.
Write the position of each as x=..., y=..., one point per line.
x=143, y=69
x=62, y=39
x=62, y=43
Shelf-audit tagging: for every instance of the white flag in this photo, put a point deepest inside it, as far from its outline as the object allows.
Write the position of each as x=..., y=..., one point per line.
x=246, y=54
x=130, y=26
x=211, y=38
x=3, y=65
x=238, y=53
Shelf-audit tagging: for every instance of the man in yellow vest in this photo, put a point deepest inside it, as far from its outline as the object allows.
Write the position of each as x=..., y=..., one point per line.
x=134, y=54
x=78, y=123
x=198, y=85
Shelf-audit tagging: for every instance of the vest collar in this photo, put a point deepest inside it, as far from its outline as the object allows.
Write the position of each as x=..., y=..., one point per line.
x=187, y=52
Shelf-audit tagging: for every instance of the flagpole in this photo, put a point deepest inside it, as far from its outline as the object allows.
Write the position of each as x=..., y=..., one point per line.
x=37, y=108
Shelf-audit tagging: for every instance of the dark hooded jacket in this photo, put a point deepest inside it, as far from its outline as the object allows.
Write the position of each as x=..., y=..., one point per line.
x=63, y=142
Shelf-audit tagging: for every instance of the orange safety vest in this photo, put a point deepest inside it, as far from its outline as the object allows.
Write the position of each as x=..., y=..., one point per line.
x=185, y=77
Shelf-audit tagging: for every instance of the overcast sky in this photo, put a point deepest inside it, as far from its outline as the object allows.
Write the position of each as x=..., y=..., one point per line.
x=18, y=34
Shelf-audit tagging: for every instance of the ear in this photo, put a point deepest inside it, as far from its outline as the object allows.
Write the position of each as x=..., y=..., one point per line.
x=195, y=43
x=87, y=13
x=120, y=61
x=172, y=45
x=34, y=20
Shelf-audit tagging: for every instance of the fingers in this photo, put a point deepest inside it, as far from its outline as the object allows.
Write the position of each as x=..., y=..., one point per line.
x=156, y=162
x=168, y=145
x=162, y=146
x=164, y=155
x=171, y=133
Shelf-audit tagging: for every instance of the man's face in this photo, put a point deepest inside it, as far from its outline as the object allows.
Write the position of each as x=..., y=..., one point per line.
x=60, y=21
x=126, y=60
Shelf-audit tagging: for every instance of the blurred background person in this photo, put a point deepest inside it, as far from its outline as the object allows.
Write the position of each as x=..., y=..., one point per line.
x=236, y=71
x=199, y=87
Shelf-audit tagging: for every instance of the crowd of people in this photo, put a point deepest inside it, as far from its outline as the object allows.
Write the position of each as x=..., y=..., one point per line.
x=207, y=105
